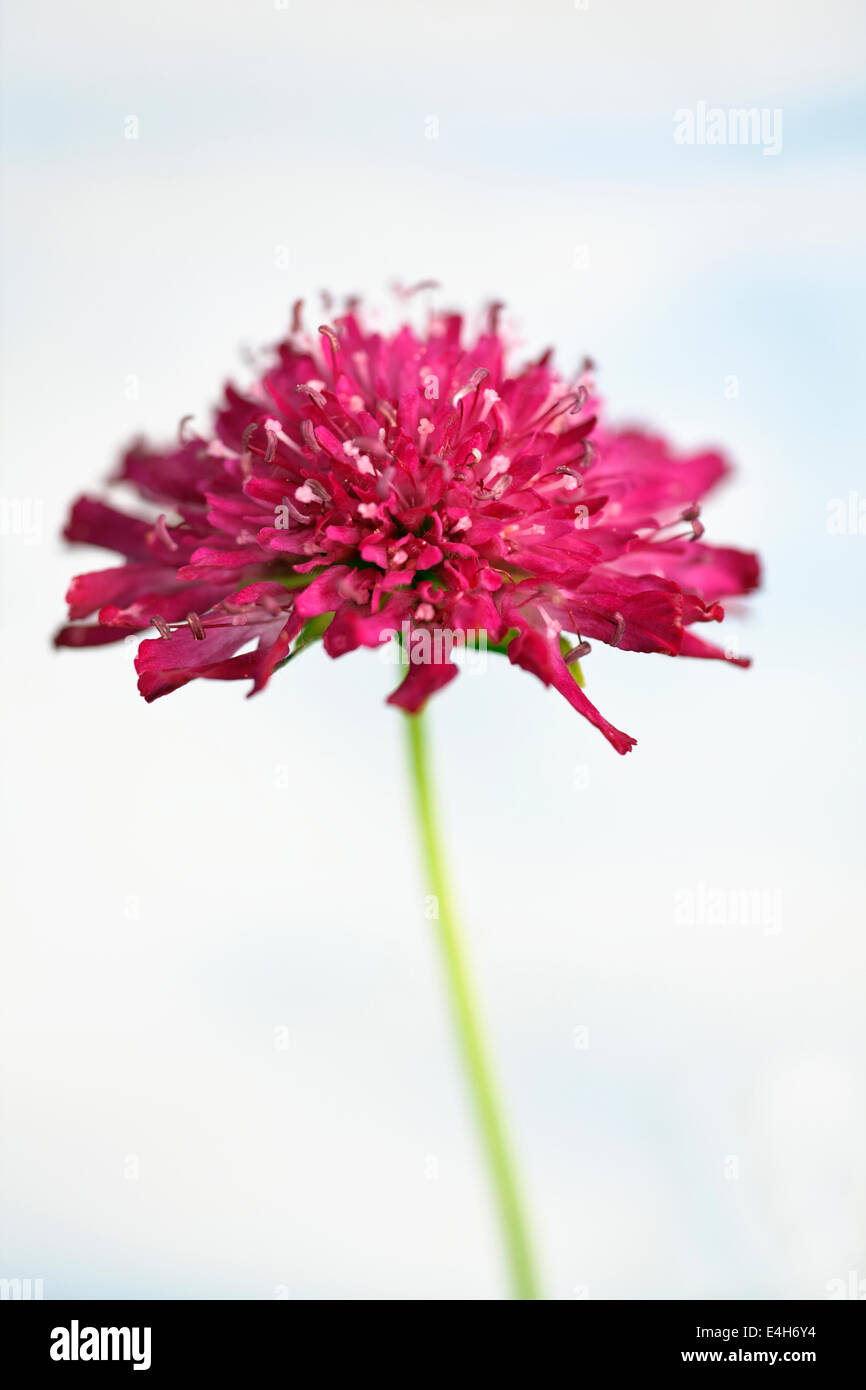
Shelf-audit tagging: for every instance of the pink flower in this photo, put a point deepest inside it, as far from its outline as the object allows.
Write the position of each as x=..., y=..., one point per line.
x=372, y=484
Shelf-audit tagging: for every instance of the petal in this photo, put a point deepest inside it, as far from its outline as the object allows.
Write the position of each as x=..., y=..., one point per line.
x=696, y=646
x=120, y=586
x=89, y=635
x=533, y=650
x=423, y=679
x=93, y=523
x=711, y=571
x=166, y=663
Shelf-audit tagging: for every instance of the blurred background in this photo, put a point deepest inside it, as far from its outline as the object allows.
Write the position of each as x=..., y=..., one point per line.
x=227, y=1068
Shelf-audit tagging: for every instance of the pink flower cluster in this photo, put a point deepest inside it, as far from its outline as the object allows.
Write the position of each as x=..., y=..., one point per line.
x=369, y=481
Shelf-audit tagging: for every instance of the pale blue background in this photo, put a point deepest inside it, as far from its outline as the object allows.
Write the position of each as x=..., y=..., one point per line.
x=182, y=880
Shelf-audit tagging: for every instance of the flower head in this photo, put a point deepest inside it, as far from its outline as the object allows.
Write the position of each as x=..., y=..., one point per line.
x=371, y=484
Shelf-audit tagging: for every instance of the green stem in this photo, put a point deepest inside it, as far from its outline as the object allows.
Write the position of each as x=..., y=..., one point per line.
x=470, y=1038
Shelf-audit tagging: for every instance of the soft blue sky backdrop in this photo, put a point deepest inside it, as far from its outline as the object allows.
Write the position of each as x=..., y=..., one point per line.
x=183, y=880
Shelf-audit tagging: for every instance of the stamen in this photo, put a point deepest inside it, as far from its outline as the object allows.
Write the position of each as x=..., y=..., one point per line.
x=293, y=511
x=161, y=626
x=312, y=393
x=183, y=437
x=365, y=464
x=310, y=436
x=421, y=285
x=478, y=376
x=161, y=530
x=493, y=312
x=572, y=401
x=330, y=335
x=619, y=624
x=311, y=489
x=369, y=445
x=496, y=491
x=498, y=464
x=582, y=649
x=690, y=514
x=297, y=309
x=569, y=471
x=195, y=626
x=328, y=332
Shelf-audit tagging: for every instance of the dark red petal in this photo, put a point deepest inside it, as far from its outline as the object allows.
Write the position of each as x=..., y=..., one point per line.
x=536, y=653
x=696, y=646
x=422, y=681
x=89, y=635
